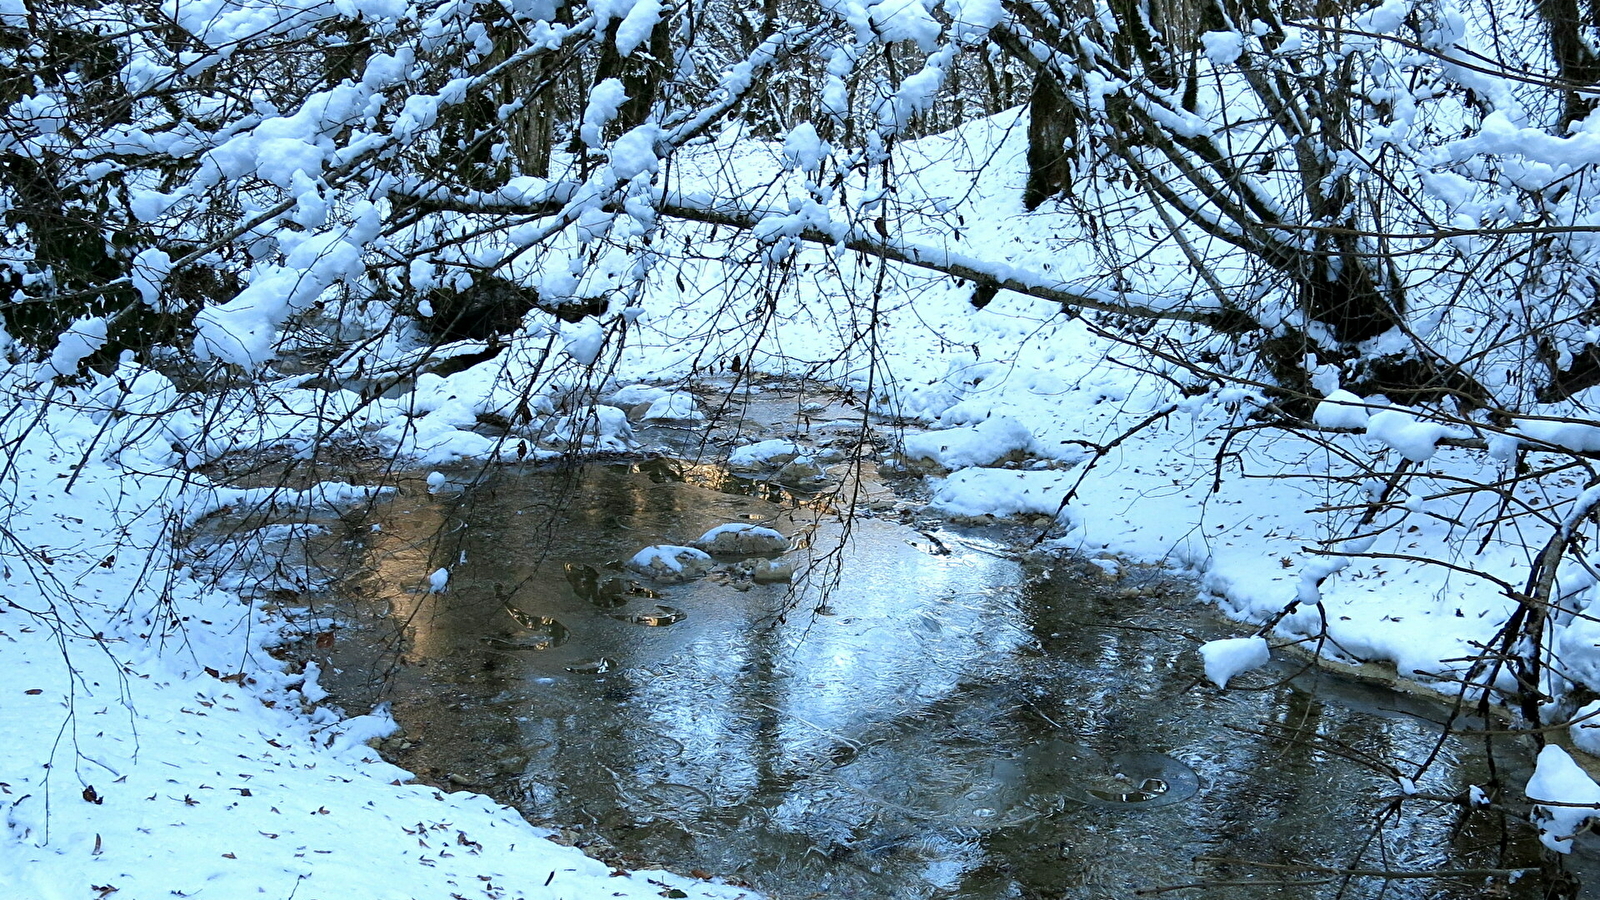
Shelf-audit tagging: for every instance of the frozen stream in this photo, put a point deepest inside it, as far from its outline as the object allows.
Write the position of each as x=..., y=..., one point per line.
x=928, y=716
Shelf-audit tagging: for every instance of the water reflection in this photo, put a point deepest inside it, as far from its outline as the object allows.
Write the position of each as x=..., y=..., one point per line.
x=962, y=726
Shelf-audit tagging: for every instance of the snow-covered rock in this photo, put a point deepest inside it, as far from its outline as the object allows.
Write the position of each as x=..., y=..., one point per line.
x=763, y=455
x=671, y=564
x=1001, y=492
x=742, y=539
x=995, y=440
x=1232, y=656
x=603, y=428
x=1341, y=409
x=632, y=395
x=1556, y=778
x=679, y=406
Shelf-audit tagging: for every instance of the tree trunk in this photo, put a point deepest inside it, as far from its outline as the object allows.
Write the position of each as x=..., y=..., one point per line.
x=1052, y=126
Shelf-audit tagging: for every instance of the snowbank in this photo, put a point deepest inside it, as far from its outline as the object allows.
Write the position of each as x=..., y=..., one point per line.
x=154, y=748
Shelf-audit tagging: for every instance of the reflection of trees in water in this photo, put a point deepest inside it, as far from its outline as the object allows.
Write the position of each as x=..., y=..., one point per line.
x=856, y=753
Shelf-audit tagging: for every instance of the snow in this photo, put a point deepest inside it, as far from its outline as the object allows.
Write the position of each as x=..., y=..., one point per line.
x=678, y=406
x=1408, y=436
x=804, y=148
x=1232, y=656
x=1558, y=779
x=634, y=153
x=669, y=563
x=1222, y=47
x=1001, y=492
x=198, y=763
x=218, y=772
x=635, y=28
x=742, y=539
x=604, y=101
x=83, y=338
x=1586, y=729
x=1341, y=409
x=1582, y=436
x=905, y=20
x=764, y=454
x=985, y=444
x=602, y=428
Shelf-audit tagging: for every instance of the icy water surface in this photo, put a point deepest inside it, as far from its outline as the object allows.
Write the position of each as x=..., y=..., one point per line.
x=926, y=716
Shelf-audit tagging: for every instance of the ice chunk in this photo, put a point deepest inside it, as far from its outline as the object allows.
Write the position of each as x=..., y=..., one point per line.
x=1231, y=656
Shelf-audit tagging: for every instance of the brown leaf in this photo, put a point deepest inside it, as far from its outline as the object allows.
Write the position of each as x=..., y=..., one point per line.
x=229, y=856
x=34, y=692
x=91, y=795
x=325, y=640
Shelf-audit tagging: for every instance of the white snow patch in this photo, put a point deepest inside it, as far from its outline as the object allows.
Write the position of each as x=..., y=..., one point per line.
x=1223, y=48
x=1406, y=435
x=1341, y=409
x=679, y=406
x=764, y=454
x=1558, y=779
x=1001, y=492
x=989, y=442
x=1232, y=656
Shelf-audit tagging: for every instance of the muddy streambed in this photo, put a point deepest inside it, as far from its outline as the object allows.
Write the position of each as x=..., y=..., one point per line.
x=921, y=713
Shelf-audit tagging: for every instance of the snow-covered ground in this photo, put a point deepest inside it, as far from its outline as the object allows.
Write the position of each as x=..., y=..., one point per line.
x=153, y=747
